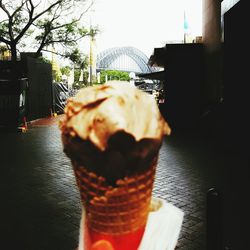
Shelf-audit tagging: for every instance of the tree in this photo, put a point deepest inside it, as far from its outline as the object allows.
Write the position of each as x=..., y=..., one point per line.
x=114, y=75
x=41, y=24
x=81, y=63
x=79, y=60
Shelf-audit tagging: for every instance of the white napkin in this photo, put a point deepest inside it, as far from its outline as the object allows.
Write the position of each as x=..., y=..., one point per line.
x=163, y=226
x=162, y=229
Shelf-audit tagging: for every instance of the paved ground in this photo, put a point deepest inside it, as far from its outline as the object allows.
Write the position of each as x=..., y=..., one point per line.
x=40, y=206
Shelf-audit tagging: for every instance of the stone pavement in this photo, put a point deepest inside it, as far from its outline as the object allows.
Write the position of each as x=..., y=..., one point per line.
x=40, y=205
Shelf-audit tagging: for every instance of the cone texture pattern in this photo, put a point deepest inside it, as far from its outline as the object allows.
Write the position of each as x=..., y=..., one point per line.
x=116, y=210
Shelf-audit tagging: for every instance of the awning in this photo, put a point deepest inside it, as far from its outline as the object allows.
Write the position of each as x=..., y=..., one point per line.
x=158, y=75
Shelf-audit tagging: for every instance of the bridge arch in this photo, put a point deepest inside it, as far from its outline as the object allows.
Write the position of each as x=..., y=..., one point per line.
x=109, y=59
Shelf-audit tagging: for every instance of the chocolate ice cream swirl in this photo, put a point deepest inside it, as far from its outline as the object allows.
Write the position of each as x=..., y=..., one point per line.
x=113, y=129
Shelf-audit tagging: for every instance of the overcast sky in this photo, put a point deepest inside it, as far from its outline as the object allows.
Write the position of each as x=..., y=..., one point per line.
x=144, y=24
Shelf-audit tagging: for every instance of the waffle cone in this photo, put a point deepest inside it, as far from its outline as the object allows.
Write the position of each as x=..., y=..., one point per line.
x=120, y=209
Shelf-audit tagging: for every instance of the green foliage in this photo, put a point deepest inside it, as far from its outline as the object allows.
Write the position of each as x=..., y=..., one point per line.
x=56, y=77
x=85, y=77
x=80, y=60
x=77, y=73
x=114, y=75
x=68, y=34
x=80, y=84
x=93, y=31
x=66, y=70
x=43, y=59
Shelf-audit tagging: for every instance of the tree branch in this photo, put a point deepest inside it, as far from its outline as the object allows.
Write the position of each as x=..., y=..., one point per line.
x=18, y=8
x=4, y=40
x=32, y=19
x=56, y=53
x=2, y=6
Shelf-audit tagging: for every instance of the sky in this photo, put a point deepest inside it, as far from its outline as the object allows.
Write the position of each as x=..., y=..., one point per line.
x=144, y=24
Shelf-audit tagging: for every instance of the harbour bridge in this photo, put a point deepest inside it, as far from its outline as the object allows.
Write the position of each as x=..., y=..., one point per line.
x=127, y=59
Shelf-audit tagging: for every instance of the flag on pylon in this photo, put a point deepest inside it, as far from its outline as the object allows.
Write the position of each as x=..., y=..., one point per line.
x=186, y=28
x=186, y=25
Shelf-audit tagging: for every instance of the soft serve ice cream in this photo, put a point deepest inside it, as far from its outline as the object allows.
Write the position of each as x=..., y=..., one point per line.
x=97, y=113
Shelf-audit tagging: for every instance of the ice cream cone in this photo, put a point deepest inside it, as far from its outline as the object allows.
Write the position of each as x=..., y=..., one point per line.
x=120, y=209
x=113, y=133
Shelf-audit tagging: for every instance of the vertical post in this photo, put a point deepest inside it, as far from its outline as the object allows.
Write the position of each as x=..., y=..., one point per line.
x=91, y=61
x=53, y=98
x=214, y=220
